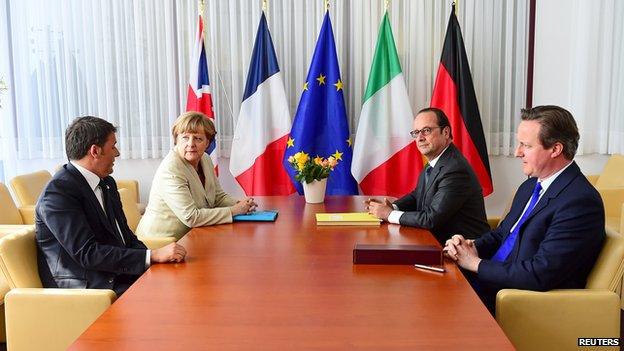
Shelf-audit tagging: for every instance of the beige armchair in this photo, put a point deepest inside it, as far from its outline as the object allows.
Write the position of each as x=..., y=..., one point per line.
x=38, y=318
x=28, y=187
x=6, y=229
x=133, y=217
x=554, y=320
x=610, y=184
x=11, y=214
x=133, y=189
x=612, y=175
x=613, y=200
x=495, y=221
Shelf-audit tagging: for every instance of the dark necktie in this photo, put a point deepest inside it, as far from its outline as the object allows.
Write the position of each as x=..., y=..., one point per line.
x=108, y=206
x=423, y=194
x=427, y=174
x=505, y=249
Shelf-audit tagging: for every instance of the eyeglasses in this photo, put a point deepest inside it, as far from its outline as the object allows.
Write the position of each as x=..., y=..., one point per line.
x=425, y=131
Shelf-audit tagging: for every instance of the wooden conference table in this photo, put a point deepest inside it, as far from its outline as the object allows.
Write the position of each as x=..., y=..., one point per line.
x=292, y=285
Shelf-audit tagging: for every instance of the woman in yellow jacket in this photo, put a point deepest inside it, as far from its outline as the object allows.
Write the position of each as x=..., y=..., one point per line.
x=186, y=192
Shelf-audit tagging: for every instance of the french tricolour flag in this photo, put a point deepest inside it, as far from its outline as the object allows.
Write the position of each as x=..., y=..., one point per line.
x=199, y=97
x=263, y=124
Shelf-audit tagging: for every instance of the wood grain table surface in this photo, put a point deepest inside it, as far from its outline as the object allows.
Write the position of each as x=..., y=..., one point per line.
x=292, y=285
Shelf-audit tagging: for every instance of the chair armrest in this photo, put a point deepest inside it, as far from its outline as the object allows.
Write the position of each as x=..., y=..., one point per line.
x=493, y=222
x=554, y=320
x=154, y=242
x=12, y=228
x=51, y=319
x=28, y=214
x=593, y=178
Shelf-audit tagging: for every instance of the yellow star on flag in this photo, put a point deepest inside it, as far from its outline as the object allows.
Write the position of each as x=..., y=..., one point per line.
x=338, y=85
x=321, y=79
x=349, y=142
x=305, y=86
x=337, y=155
x=290, y=142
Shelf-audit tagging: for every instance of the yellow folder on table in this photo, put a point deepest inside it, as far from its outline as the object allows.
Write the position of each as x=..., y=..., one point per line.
x=348, y=218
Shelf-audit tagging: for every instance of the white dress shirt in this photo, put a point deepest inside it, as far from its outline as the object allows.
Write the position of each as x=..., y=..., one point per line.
x=94, y=181
x=395, y=215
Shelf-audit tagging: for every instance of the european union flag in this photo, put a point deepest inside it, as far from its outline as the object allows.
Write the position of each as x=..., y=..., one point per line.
x=320, y=127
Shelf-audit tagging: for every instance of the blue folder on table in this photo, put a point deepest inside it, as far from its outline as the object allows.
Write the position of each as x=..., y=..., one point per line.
x=257, y=216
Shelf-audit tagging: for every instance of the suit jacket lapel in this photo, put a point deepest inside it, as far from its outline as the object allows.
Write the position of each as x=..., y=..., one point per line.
x=90, y=195
x=420, y=190
x=555, y=188
x=552, y=192
x=195, y=184
x=439, y=166
x=208, y=187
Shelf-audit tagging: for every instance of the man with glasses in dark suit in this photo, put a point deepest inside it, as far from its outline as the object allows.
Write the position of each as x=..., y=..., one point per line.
x=448, y=198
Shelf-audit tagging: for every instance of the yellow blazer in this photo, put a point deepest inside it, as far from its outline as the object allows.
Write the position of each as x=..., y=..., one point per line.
x=179, y=202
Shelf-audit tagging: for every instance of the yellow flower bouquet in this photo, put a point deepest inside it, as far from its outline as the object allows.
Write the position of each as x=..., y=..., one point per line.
x=309, y=169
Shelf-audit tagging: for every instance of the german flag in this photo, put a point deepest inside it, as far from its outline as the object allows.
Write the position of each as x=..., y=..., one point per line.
x=454, y=94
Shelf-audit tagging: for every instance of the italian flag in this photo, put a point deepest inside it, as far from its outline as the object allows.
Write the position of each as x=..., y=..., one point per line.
x=385, y=158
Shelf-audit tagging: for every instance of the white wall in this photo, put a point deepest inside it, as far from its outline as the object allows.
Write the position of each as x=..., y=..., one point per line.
x=553, y=53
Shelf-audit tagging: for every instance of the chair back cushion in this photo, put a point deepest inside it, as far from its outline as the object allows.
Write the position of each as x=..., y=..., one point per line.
x=28, y=187
x=609, y=268
x=9, y=214
x=130, y=208
x=613, y=173
x=18, y=259
x=131, y=185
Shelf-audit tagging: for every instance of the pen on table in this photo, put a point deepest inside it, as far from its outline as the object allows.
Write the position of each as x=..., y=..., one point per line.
x=430, y=268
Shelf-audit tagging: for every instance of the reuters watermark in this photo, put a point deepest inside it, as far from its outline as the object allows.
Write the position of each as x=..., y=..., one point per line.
x=598, y=342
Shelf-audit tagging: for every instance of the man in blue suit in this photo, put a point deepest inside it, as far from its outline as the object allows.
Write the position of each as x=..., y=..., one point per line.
x=555, y=228
x=83, y=238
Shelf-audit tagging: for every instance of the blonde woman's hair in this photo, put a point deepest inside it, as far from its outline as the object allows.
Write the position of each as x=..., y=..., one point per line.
x=193, y=122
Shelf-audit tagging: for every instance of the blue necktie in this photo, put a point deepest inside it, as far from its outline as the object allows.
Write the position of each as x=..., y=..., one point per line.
x=510, y=241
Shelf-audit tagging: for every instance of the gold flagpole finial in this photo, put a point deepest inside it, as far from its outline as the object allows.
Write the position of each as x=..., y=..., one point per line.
x=387, y=4
x=265, y=5
x=326, y=5
x=456, y=6
x=201, y=8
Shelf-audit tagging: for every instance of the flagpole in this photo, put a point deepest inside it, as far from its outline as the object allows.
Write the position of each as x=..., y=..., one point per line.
x=209, y=52
x=326, y=5
x=264, y=5
x=386, y=4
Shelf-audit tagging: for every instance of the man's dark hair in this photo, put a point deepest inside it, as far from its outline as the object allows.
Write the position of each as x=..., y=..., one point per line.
x=84, y=132
x=443, y=121
x=556, y=125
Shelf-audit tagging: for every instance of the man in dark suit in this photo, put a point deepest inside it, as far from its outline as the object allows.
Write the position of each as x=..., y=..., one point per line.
x=448, y=198
x=555, y=228
x=82, y=235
